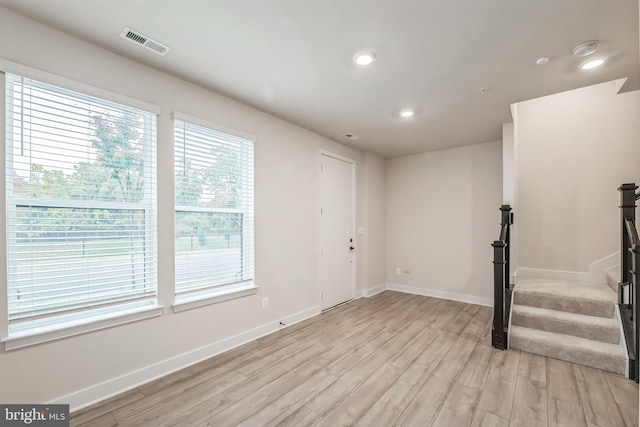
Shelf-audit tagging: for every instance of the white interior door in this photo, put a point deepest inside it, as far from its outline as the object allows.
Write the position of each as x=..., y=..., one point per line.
x=336, y=228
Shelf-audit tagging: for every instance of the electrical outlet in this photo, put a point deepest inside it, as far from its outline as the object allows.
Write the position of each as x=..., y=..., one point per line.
x=265, y=302
x=398, y=271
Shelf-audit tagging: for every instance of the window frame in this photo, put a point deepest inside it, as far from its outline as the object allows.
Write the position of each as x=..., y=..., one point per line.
x=190, y=299
x=103, y=318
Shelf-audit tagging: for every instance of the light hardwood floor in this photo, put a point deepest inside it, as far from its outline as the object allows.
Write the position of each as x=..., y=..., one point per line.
x=393, y=359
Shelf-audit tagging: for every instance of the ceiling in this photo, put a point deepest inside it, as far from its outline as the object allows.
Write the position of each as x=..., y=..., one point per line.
x=293, y=58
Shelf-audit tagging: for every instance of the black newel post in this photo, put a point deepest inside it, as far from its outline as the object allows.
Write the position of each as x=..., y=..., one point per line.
x=627, y=210
x=501, y=273
x=629, y=274
x=506, y=219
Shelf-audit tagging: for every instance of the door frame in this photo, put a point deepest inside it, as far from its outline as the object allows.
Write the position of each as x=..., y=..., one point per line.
x=351, y=161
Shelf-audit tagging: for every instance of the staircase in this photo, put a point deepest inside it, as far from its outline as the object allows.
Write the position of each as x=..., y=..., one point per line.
x=568, y=321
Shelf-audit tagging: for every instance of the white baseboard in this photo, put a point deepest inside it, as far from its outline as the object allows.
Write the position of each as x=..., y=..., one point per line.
x=596, y=274
x=441, y=294
x=96, y=393
x=375, y=290
x=370, y=291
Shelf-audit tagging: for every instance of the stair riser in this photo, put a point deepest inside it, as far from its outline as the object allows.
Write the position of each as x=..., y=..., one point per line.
x=613, y=277
x=552, y=302
x=581, y=357
x=602, y=333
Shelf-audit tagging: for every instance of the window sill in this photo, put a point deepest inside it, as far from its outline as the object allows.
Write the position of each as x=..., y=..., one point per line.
x=188, y=302
x=91, y=324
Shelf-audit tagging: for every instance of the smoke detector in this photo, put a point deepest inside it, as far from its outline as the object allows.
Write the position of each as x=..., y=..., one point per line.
x=144, y=41
x=586, y=48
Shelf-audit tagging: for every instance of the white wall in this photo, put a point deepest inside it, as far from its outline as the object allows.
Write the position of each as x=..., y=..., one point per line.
x=508, y=165
x=573, y=150
x=91, y=366
x=442, y=215
x=509, y=187
x=375, y=222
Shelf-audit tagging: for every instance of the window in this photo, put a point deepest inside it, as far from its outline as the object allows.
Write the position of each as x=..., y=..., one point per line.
x=213, y=212
x=80, y=203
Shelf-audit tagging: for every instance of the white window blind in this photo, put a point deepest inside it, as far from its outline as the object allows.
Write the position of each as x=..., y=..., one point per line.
x=214, y=243
x=81, y=200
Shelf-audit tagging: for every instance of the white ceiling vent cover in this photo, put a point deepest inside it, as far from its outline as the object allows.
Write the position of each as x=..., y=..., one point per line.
x=144, y=41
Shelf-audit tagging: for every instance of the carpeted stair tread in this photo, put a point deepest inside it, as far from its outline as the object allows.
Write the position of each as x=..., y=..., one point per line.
x=593, y=300
x=608, y=357
x=595, y=328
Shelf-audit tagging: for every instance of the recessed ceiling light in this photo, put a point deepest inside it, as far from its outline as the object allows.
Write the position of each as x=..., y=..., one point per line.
x=586, y=48
x=542, y=60
x=407, y=113
x=594, y=63
x=364, y=58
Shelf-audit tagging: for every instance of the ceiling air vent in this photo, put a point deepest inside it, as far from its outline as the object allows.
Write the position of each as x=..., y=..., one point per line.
x=144, y=41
